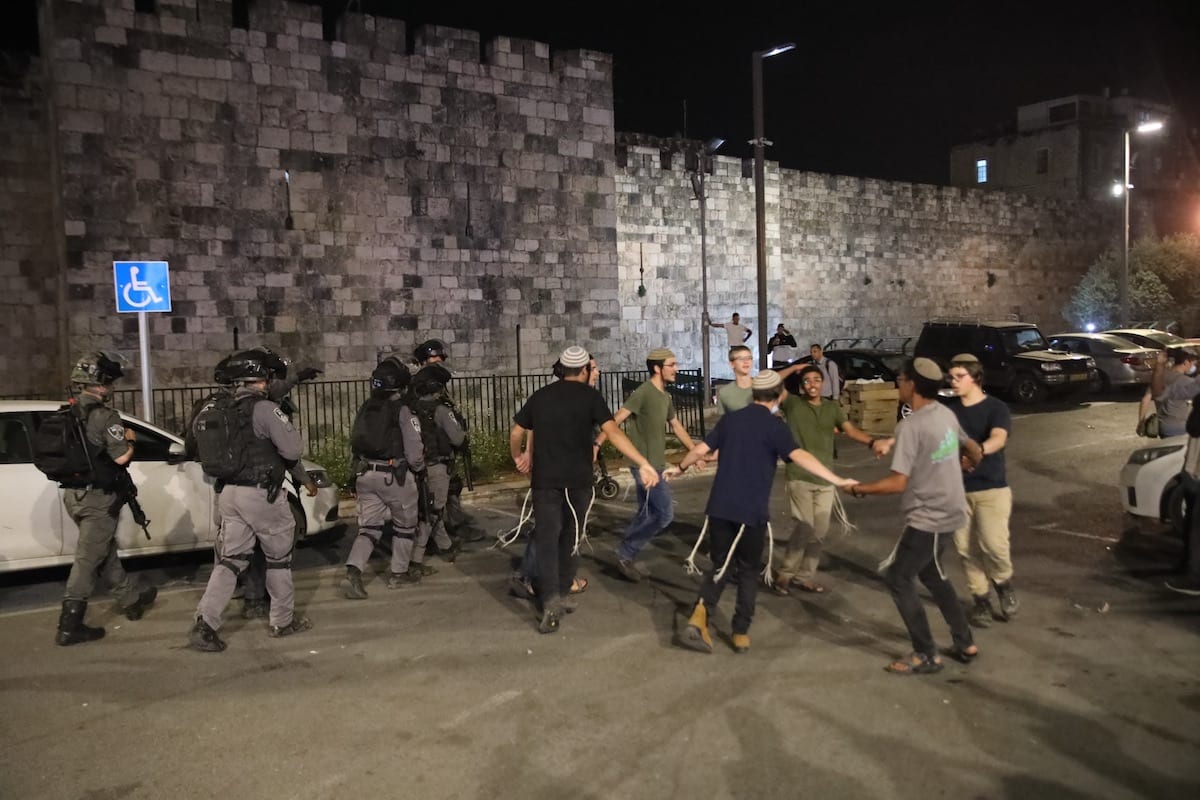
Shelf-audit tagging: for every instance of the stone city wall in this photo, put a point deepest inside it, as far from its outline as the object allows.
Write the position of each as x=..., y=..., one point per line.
x=339, y=199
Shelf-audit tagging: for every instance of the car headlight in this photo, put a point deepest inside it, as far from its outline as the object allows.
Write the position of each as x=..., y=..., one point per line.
x=1050, y=366
x=320, y=477
x=1149, y=454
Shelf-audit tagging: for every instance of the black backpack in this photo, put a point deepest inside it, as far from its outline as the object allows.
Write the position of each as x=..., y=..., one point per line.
x=376, y=432
x=223, y=428
x=63, y=453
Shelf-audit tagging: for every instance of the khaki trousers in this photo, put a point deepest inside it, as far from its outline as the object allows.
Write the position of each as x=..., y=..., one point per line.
x=812, y=505
x=983, y=542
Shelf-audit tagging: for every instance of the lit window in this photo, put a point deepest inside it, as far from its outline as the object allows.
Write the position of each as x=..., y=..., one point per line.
x=981, y=170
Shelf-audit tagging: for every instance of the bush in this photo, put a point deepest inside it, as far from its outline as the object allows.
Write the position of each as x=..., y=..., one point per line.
x=490, y=459
x=333, y=453
x=1097, y=298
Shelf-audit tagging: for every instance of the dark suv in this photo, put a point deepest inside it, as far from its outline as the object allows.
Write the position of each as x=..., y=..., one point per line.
x=1017, y=359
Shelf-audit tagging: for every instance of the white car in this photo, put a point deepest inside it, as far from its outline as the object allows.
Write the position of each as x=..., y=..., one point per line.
x=178, y=498
x=1150, y=478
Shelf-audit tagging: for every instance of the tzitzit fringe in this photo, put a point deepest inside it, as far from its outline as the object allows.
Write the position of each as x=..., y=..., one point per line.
x=770, y=555
x=514, y=533
x=581, y=536
x=690, y=567
x=839, y=513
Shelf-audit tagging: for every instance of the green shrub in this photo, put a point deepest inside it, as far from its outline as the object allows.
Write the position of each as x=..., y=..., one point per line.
x=490, y=458
x=333, y=453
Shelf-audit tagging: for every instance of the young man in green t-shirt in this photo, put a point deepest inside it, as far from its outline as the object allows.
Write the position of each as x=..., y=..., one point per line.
x=813, y=420
x=649, y=411
x=733, y=396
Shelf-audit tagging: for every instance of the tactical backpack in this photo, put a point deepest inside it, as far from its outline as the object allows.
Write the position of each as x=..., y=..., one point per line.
x=62, y=452
x=376, y=431
x=435, y=440
x=224, y=429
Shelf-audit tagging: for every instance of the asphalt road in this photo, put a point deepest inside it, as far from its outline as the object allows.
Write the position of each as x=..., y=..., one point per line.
x=447, y=690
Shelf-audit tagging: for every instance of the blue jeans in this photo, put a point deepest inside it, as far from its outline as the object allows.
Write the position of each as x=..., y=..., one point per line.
x=653, y=515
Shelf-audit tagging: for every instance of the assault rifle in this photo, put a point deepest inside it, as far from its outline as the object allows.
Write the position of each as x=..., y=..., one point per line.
x=126, y=492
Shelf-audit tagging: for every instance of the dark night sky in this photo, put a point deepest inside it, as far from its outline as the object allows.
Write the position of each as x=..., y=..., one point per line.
x=880, y=92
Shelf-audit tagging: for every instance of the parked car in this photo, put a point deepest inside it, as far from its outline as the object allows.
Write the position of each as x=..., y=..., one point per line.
x=1119, y=361
x=860, y=364
x=1148, y=337
x=177, y=496
x=1017, y=359
x=1150, y=481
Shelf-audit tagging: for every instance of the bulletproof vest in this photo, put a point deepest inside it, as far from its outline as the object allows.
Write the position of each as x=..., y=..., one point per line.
x=62, y=451
x=433, y=438
x=376, y=432
x=227, y=445
x=189, y=431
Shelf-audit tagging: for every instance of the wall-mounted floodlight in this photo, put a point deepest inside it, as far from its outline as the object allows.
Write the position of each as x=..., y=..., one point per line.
x=713, y=145
x=779, y=49
x=1150, y=127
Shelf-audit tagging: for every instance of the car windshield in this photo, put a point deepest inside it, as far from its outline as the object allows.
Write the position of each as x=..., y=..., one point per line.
x=1164, y=338
x=893, y=362
x=1023, y=339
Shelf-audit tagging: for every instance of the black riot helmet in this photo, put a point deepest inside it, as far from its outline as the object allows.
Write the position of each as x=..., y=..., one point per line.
x=247, y=366
x=96, y=368
x=430, y=379
x=430, y=348
x=390, y=375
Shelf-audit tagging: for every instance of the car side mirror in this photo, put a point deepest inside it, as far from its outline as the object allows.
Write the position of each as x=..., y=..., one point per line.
x=176, y=454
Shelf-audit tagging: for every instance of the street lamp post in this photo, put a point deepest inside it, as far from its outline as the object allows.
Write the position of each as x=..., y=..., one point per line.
x=698, y=189
x=760, y=200
x=1145, y=127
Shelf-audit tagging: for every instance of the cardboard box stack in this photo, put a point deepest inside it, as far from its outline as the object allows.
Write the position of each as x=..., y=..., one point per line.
x=871, y=405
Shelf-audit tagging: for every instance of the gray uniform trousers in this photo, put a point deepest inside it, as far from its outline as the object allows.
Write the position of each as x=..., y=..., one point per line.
x=438, y=478
x=245, y=516
x=381, y=497
x=96, y=553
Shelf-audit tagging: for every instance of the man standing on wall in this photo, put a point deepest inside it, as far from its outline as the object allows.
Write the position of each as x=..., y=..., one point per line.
x=832, y=385
x=734, y=329
x=650, y=410
x=782, y=347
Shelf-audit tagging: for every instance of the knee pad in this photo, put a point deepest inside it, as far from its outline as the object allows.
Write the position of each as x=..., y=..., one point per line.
x=372, y=532
x=237, y=564
x=405, y=533
x=286, y=563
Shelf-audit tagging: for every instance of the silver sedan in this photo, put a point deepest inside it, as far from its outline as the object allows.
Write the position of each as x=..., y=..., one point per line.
x=1120, y=361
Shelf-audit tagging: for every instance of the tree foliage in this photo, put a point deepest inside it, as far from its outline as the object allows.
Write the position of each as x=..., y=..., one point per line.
x=1162, y=283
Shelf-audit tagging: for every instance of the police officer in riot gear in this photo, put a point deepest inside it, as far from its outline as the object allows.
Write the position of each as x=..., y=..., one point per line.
x=255, y=603
x=441, y=434
x=252, y=506
x=458, y=522
x=94, y=506
x=386, y=440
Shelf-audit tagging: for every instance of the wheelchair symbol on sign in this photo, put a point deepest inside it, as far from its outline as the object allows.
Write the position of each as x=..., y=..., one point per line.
x=146, y=291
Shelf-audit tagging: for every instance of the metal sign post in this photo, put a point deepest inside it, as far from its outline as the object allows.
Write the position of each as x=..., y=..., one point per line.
x=143, y=287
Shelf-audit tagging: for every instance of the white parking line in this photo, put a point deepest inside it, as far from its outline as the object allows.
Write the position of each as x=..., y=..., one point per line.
x=1052, y=527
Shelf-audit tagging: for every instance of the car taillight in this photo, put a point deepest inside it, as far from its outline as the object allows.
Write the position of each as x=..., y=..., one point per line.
x=1133, y=361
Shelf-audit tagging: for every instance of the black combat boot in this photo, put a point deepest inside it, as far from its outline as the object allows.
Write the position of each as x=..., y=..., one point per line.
x=352, y=585
x=145, y=600
x=204, y=638
x=1009, y=605
x=71, y=629
x=297, y=625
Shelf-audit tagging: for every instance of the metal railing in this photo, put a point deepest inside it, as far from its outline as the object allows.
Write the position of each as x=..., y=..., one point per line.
x=324, y=410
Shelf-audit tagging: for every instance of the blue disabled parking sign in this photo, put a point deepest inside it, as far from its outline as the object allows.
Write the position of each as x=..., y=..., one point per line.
x=142, y=286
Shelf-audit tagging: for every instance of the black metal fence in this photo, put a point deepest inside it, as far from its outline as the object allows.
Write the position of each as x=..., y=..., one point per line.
x=325, y=409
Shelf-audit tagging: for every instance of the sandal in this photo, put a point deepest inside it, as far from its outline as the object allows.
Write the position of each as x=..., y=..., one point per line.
x=779, y=589
x=808, y=586
x=960, y=654
x=915, y=664
x=579, y=585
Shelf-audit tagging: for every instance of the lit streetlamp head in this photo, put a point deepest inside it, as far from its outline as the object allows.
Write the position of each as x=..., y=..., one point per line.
x=1150, y=127
x=713, y=145
x=1117, y=189
x=779, y=49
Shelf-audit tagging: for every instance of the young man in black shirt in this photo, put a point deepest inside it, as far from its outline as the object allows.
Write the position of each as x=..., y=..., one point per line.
x=563, y=415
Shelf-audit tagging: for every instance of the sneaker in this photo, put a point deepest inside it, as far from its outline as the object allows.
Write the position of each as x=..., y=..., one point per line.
x=1009, y=605
x=255, y=609
x=1188, y=586
x=398, y=579
x=297, y=625
x=741, y=643
x=981, y=612
x=550, y=619
x=204, y=638
x=629, y=570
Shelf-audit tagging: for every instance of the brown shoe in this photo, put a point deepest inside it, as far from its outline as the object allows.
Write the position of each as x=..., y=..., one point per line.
x=695, y=635
x=741, y=643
